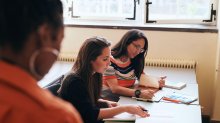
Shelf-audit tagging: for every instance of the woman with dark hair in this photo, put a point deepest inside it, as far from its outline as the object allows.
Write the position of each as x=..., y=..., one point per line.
x=82, y=87
x=31, y=32
x=127, y=65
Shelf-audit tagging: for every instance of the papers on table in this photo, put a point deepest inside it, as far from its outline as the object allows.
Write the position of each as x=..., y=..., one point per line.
x=122, y=117
x=154, y=117
x=175, y=85
x=157, y=117
x=179, y=98
x=152, y=81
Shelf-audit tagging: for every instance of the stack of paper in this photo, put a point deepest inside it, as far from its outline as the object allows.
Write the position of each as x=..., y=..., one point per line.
x=175, y=85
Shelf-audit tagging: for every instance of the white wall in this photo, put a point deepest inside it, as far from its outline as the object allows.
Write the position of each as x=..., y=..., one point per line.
x=162, y=44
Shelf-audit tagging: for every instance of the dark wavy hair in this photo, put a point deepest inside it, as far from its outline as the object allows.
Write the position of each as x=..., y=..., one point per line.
x=20, y=18
x=120, y=49
x=89, y=51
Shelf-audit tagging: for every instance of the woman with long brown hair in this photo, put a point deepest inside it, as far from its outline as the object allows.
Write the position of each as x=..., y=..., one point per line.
x=82, y=87
x=127, y=65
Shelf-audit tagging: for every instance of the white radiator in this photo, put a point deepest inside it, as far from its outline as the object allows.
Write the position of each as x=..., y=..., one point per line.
x=67, y=57
x=154, y=62
x=175, y=63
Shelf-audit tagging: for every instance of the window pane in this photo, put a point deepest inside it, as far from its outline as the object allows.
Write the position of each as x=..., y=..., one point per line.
x=67, y=8
x=103, y=8
x=179, y=9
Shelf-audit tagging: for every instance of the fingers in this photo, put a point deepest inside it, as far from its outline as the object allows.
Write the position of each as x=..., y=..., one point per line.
x=148, y=94
x=162, y=82
x=142, y=108
x=151, y=94
x=138, y=110
x=163, y=77
x=143, y=112
x=110, y=106
x=114, y=104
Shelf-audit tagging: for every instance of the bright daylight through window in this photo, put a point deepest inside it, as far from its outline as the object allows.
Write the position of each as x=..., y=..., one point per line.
x=142, y=11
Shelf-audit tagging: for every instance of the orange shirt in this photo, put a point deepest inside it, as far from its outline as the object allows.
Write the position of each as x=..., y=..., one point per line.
x=23, y=101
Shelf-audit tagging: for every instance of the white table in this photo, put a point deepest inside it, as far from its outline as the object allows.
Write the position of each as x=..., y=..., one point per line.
x=166, y=112
x=160, y=112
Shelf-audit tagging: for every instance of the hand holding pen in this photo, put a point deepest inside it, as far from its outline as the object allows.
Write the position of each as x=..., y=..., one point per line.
x=162, y=82
x=136, y=109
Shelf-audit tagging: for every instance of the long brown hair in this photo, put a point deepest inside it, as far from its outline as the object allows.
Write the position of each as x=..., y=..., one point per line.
x=120, y=49
x=89, y=51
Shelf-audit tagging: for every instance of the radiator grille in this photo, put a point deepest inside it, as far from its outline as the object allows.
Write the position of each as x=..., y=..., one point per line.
x=154, y=62
x=173, y=63
x=67, y=57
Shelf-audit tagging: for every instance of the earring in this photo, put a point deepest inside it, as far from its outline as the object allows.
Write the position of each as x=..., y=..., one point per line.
x=34, y=56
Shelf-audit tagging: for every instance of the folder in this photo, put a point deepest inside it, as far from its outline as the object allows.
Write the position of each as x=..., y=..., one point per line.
x=179, y=98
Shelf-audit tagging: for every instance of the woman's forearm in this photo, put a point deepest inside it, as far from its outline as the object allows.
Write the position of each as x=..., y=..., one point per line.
x=124, y=91
x=110, y=112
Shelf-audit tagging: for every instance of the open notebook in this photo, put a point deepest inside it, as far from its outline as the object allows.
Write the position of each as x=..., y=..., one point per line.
x=152, y=81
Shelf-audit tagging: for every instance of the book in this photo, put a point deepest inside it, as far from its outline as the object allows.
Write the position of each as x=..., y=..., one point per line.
x=175, y=85
x=149, y=81
x=179, y=98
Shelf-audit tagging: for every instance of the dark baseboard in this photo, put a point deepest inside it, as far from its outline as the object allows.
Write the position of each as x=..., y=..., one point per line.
x=214, y=121
x=206, y=119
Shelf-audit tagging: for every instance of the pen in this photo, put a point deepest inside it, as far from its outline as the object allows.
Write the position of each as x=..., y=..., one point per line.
x=142, y=99
x=144, y=110
x=171, y=100
x=163, y=77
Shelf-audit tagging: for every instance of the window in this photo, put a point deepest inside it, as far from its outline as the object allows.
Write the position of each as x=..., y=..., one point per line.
x=100, y=9
x=180, y=11
x=141, y=11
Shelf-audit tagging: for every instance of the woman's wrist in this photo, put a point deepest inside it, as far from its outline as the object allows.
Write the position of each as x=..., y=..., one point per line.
x=124, y=108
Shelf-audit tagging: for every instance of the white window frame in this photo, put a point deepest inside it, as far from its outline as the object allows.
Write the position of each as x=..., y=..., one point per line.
x=140, y=18
x=187, y=21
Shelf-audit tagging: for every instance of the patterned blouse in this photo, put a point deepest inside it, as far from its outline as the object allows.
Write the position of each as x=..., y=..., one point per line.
x=122, y=71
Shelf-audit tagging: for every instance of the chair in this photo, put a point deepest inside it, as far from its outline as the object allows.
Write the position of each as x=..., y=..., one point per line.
x=54, y=85
x=54, y=88
x=57, y=80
